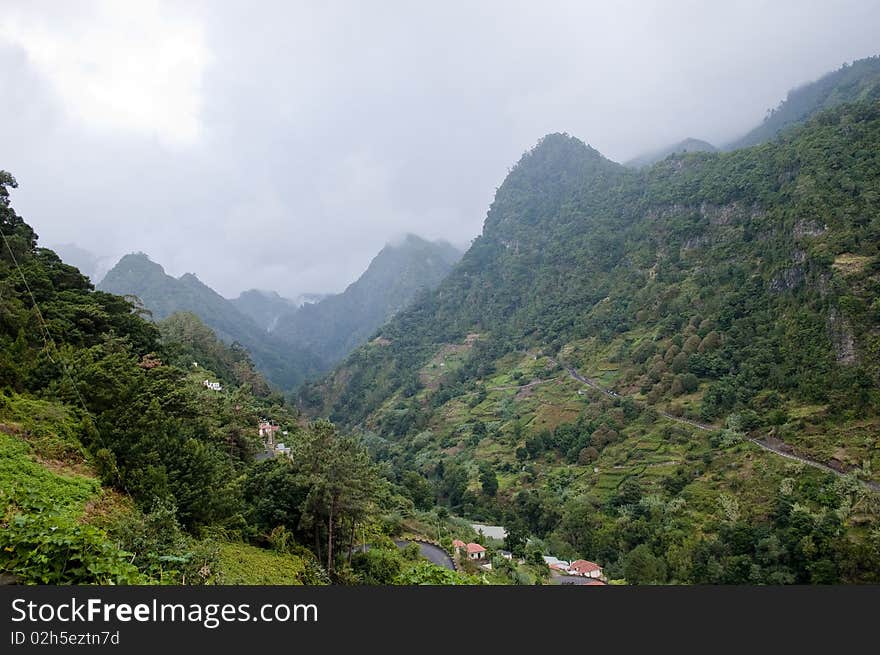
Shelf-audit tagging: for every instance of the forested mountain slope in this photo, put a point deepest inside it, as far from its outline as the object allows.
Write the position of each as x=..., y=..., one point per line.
x=286, y=365
x=738, y=290
x=337, y=324
x=859, y=81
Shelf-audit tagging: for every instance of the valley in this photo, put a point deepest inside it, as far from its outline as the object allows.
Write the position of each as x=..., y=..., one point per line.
x=659, y=373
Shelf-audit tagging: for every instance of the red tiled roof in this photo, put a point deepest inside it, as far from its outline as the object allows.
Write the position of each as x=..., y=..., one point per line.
x=458, y=543
x=475, y=548
x=583, y=566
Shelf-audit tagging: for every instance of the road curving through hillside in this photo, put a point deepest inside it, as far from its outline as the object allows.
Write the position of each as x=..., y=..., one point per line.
x=873, y=486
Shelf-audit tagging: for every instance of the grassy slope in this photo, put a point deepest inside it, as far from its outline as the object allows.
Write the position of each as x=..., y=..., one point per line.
x=242, y=564
x=43, y=470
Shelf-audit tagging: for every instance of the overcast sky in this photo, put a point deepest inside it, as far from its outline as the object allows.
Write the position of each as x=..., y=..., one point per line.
x=279, y=145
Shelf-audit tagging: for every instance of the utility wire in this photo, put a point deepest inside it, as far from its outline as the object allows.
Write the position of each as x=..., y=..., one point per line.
x=47, y=336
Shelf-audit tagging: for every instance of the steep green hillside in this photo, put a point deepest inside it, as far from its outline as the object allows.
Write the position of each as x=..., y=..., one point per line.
x=117, y=465
x=716, y=299
x=284, y=364
x=859, y=81
x=190, y=344
x=337, y=324
x=688, y=145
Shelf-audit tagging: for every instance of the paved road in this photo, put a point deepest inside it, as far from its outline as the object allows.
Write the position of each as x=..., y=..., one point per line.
x=562, y=579
x=874, y=486
x=431, y=553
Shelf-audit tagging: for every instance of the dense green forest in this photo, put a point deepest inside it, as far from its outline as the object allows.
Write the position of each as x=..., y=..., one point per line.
x=736, y=291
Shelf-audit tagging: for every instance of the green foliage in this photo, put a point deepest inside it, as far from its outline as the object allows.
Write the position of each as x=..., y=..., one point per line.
x=27, y=485
x=50, y=548
x=41, y=539
x=426, y=573
x=378, y=566
x=735, y=289
x=162, y=550
x=242, y=564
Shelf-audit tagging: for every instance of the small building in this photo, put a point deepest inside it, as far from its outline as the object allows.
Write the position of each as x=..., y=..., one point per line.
x=268, y=430
x=585, y=568
x=213, y=386
x=475, y=551
x=506, y=554
x=458, y=545
x=555, y=563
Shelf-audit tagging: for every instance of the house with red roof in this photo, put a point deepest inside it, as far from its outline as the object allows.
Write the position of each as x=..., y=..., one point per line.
x=585, y=568
x=475, y=551
x=471, y=550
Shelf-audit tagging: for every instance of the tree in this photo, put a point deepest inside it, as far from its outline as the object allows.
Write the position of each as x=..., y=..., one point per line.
x=341, y=479
x=641, y=566
x=488, y=480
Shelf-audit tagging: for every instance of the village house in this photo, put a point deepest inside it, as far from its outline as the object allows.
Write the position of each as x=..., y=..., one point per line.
x=472, y=551
x=555, y=563
x=585, y=568
x=268, y=430
x=475, y=551
x=214, y=386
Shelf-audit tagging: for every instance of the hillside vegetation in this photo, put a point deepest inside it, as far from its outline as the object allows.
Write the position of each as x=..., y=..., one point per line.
x=735, y=290
x=118, y=465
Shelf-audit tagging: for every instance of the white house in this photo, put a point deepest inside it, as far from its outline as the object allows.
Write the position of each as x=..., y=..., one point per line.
x=585, y=568
x=214, y=386
x=475, y=551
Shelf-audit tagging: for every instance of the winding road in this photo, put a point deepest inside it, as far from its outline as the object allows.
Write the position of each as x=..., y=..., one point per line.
x=430, y=552
x=874, y=486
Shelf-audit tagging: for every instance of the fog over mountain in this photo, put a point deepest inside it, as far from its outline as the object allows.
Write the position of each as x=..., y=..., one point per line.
x=280, y=147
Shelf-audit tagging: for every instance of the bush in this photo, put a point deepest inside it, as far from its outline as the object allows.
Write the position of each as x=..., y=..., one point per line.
x=377, y=566
x=56, y=549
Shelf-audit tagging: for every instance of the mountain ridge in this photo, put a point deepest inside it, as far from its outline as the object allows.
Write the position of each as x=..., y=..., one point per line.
x=163, y=295
x=336, y=324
